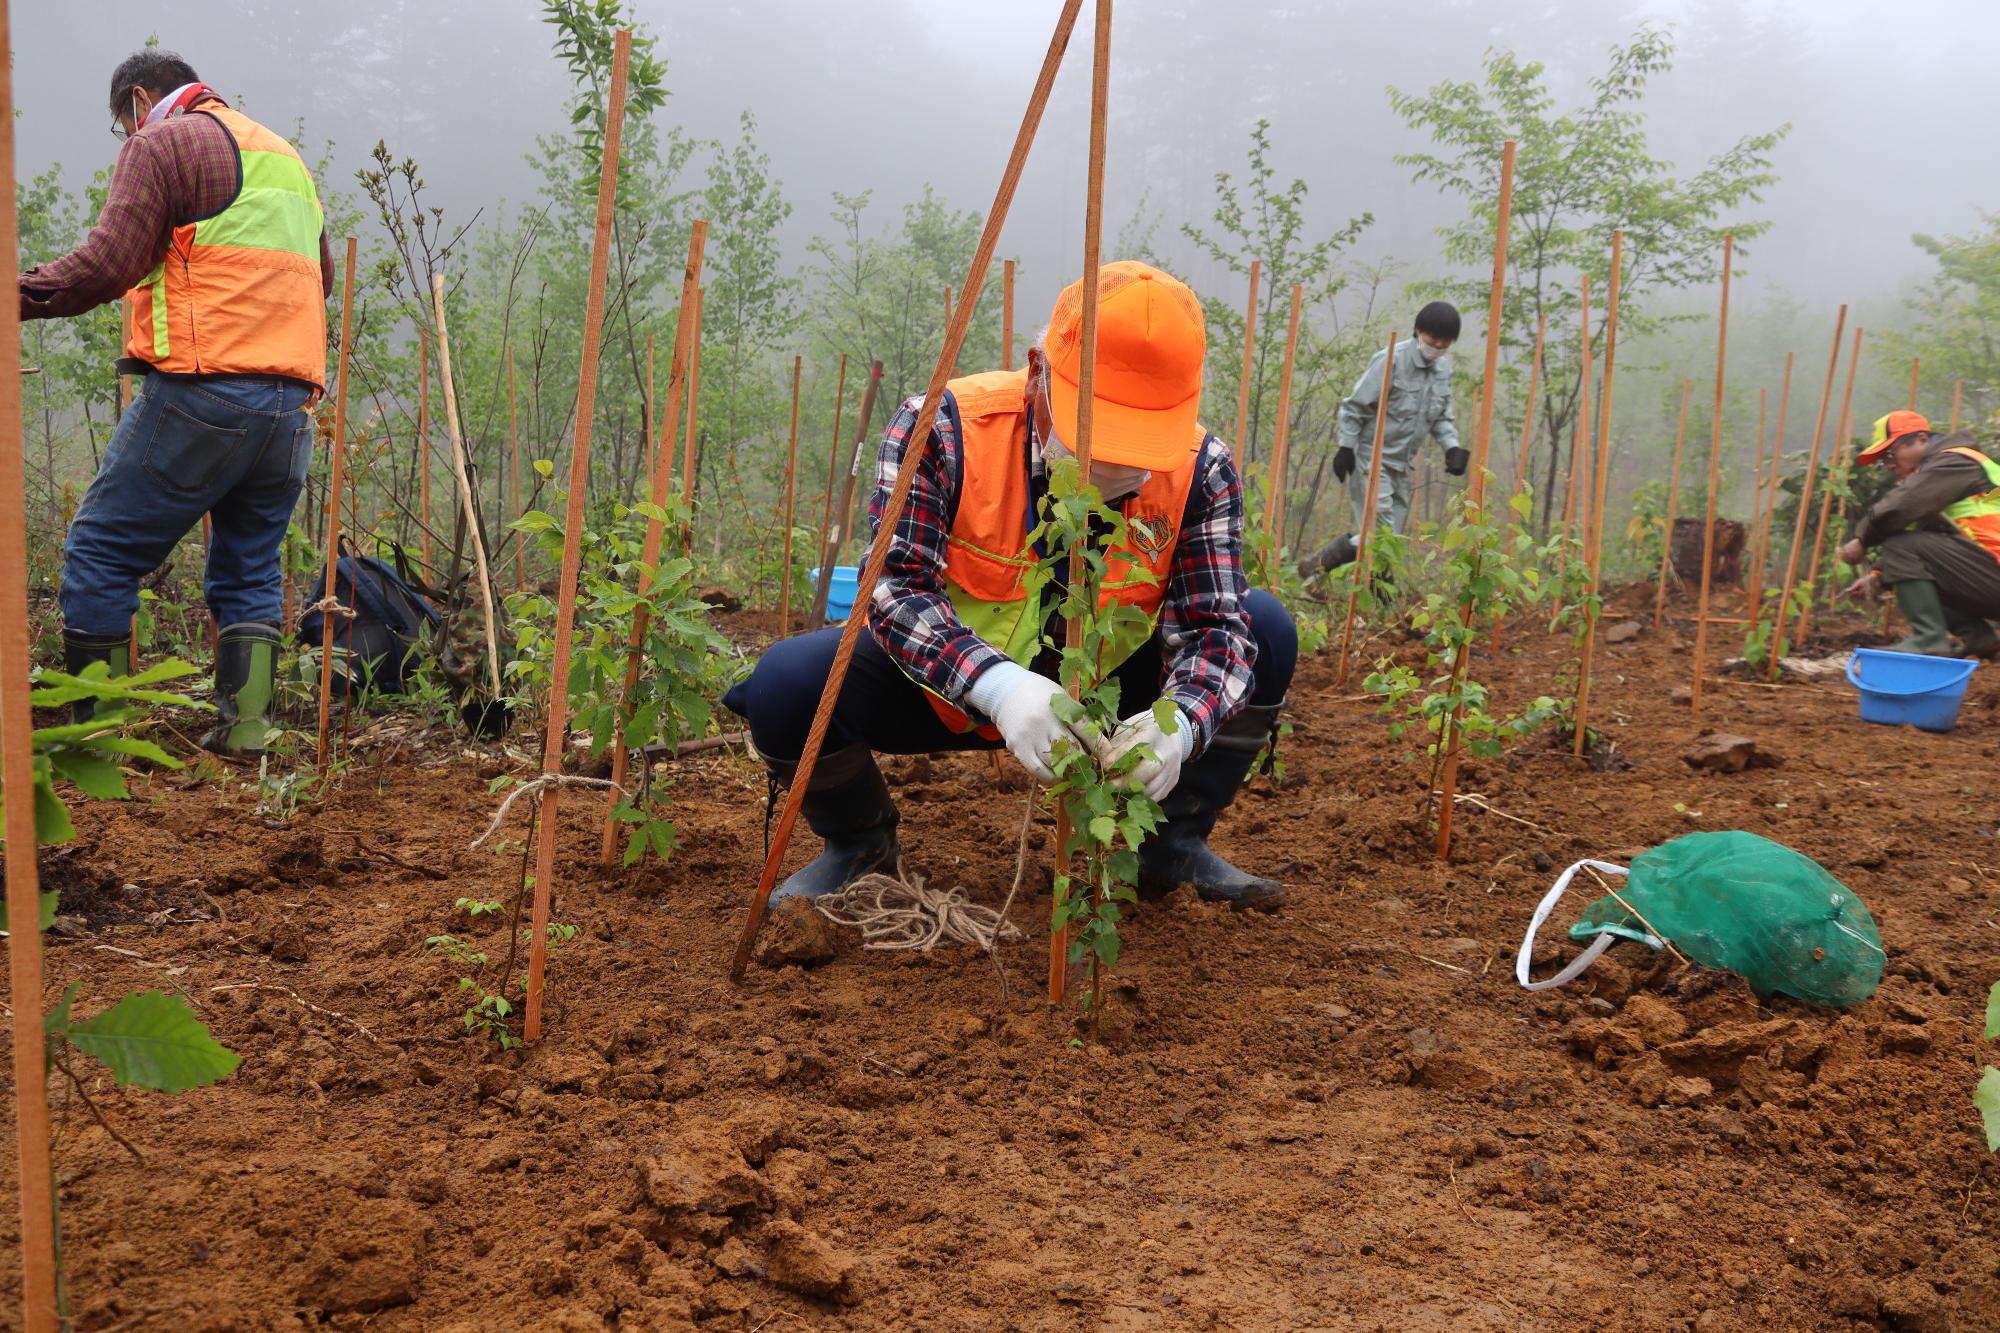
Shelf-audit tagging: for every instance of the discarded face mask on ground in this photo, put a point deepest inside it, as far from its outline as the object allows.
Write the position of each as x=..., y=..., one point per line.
x=1732, y=901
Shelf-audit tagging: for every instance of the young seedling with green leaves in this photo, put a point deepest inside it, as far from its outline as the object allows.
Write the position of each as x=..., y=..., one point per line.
x=1986, y=1096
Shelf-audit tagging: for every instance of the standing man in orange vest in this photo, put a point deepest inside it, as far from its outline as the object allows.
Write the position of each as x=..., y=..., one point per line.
x=1936, y=536
x=954, y=657
x=213, y=234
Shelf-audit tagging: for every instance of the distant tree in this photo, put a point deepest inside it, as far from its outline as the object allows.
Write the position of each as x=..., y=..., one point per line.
x=1958, y=333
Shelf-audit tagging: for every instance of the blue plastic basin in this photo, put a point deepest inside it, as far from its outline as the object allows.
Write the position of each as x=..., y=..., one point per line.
x=1915, y=688
x=840, y=594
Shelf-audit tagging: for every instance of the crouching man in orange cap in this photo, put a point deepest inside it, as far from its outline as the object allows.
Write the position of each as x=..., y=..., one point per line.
x=1936, y=536
x=954, y=657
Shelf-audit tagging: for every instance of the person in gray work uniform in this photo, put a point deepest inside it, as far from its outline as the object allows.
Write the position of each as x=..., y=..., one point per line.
x=1419, y=406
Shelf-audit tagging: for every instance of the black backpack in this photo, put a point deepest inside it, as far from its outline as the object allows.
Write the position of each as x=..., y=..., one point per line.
x=392, y=622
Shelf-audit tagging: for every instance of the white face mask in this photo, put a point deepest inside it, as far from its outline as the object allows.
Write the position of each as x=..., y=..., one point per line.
x=1114, y=481
x=1429, y=353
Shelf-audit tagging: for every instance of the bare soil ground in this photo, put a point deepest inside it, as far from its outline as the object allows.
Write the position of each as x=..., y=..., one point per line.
x=1344, y=1115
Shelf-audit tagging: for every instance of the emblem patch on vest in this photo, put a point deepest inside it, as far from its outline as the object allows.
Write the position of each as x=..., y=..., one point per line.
x=1150, y=535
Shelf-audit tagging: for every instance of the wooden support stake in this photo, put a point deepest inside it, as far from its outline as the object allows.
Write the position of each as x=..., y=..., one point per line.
x=1363, y=540
x=823, y=580
x=1763, y=498
x=1007, y=315
x=689, y=447
x=1916, y=363
x=1481, y=452
x=548, y=830
x=1673, y=506
x=1579, y=451
x=465, y=495
x=1237, y=442
x=1957, y=402
x=1601, y=470
x=1528, y=412
x=1805, y=496
x=1274, y=496
x=514, y=447
x=791, y=492
x=655, y=539
x=845, y=513
x=34, y=1174
x=1841, y=432
x=899, y=494
x=646, y=417
x=1714, y=471
x=338, y=461
x=423, y=447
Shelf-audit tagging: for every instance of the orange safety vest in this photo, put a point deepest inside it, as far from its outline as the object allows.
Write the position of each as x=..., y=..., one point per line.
x=990, y=568
x=1978, y=516
x=239, y=293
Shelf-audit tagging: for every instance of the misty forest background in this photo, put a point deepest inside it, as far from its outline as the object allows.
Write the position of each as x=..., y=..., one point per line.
x=846, y=273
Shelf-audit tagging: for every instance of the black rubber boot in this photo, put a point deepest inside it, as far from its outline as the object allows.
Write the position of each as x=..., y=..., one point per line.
x=848, y=804
x=246, y=680
x=1179, y=852
x=80, y=650
x=1340, y=551
x=1921, y=606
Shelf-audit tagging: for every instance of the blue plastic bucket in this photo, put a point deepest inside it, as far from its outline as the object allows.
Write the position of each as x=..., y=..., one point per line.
x=840, y=595
x=1915, y=688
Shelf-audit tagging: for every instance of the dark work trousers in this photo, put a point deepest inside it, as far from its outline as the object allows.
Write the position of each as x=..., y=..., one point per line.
x=1967, y=577
x=884, y=709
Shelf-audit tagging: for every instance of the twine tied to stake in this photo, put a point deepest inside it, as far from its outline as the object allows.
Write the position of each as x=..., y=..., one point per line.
x=329, y=606
x=898, y=912
x=536, y=787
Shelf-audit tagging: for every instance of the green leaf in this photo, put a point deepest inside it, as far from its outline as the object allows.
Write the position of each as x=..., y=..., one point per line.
x=1987, y=1098
x=1992, y=1011
x=153, y=1040
x=57, y=1022
x=52, y=824
x=47, y=910
x=1103, y=829
x=93, y=774
x=1167, y=716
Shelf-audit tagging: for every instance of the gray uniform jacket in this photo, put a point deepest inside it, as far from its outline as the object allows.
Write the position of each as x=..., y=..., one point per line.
x=1419, y=405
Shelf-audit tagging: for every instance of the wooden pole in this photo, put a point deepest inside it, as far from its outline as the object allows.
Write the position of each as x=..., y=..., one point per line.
x=1916, y=363
x=34, y=1173
x=1756, y=489
x=464, y=480
x=646, y=417
x=1274, y=497
x=1957, y=402
x=1528, y=412
x=423, y=447
x=899, y=494
x=1805, y=495
x=548, y=830
x=1481, y=451
x=1237, y=442
x=791, y=491
x=1673, y=505
x=1841, y=433
x=685, y=325
x=1602, y=471
x=823, y=581
x=1006, y=315
x=514, y=447
x=1764, y=499
x=689, y=445
x=1714, y=471
x=845, y=513
x=1362, y=541
x=1579, y=451
x=326, y=619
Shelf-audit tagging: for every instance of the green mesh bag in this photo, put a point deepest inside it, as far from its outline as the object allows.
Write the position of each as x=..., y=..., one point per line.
x=1733, y=901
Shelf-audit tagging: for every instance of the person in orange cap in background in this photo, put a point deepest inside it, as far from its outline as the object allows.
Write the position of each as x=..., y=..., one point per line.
x=954, y=656
x=1936, y=536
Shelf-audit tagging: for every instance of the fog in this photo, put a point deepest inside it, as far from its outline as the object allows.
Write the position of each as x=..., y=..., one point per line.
x=1891, y=111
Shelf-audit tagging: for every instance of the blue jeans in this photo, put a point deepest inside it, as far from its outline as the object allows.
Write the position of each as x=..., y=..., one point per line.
x=236, y=448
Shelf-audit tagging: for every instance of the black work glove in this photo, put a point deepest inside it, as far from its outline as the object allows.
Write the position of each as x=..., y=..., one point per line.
x=1343, y=463
x=1455, y=459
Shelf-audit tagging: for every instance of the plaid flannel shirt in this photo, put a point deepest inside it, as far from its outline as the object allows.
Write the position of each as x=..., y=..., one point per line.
x=1205, y=630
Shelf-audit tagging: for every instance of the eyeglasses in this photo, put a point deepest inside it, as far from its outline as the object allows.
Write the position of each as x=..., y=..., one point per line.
x=119, y=132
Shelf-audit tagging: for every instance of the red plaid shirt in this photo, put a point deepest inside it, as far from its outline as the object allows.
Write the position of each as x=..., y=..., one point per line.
x=175, y=171
x=1204, y=630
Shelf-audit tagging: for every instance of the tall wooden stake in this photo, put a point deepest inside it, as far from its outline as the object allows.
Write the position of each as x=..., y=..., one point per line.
x=646, y=416
x=1236, y=441
x=1602, y=472
x=823, y=581
x=1957, y=402
x=464, y=480
x=690, y=446
x=335, y=466
x=1362, y=542
x=1714, y=472
x=1274, y=497
x=1007, y=315
x=1916, y=363
x=899, y=493
x=1481, y=451
x=845, y=513
x=1528, y=411
x=791, y=491
x=1579, y=450
x=1805, y=496
x=1841, y=433
x=424, y=447
x=1763, y=499
x=1673, y=507
x=548, y=829
x=514, y=448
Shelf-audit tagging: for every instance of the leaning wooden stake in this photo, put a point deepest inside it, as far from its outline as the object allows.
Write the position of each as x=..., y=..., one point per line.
x=1957, y=403
x=548, y=830
x=1841, y=431
x=514, y=448
x=335, y=466
x=1714, y=471
x=1528, y=411
x=1086, y=411
x=1281, y=432
x=1673, y=506
x=823, y=580
x=845, y=513
x=465, y=496
x=899, y=494
x=1363, y=541
x=1763, y=498
x=1236, y=441
x=1602, y=469
x=1805, y=495
x=1476, y=501
x=33, y=1173
x=424, y=446
x=1007, y=315
x=791, y=492
x=1579, y=450
x=689, y=446
x=656, y=528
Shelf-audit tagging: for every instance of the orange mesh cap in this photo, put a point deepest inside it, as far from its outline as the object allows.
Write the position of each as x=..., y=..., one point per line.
x=1151, y=342
x=1890, y=429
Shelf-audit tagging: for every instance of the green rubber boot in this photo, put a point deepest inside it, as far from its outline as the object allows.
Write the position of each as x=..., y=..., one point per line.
x=1921, y=606
x=80, y=650
x=246, y=680
x=1975, y=634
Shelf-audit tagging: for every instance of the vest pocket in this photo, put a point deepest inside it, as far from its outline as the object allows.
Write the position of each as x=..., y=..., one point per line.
x=185, y=454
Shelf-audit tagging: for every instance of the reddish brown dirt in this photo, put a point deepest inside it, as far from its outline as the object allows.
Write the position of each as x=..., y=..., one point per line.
x=1342, y=1115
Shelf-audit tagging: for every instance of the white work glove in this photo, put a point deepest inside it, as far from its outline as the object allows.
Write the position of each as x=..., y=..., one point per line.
x=1159, y=775
x=1018, y=702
